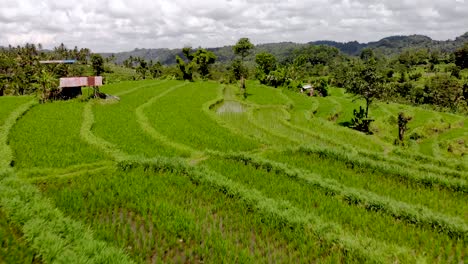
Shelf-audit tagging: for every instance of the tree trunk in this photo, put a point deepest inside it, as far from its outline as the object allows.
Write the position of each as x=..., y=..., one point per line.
x=367, y=107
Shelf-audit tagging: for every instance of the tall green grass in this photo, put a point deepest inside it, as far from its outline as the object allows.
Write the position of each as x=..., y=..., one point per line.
x=13, y=247
x=280, y=214
x=6, y=153
x=9, y=103
x=55, y=237
x=49, y=136
x=188, y=123
x=355, y=221
x=265, y=95
x=117, y=123
x=439, y=200
x=454, y=227
x=159, y=215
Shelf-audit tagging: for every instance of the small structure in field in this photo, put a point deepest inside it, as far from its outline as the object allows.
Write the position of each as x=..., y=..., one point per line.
x=308, y=88
x=57, y=62
x=71, y=86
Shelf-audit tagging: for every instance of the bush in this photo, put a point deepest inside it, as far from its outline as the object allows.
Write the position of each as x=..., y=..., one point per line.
x=360, y=122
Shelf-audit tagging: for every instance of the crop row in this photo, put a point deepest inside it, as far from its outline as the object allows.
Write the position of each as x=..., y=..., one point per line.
x=54, y=236
x=410, y=213
x=187, y=123
x=146, y=125
x=362, y=178
x=278, y=213
x=118, y=124
x=164, y=217
x=356, y=221
x=303, y=104
x=6, y=155
x=48, y=137
x=425, y=179
x=422, y=175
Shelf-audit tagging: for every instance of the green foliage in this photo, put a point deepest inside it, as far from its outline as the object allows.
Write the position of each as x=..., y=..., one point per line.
x=445, y=91
x=366, y=82
x=243, y=48
x=414, y=215
x=360, y=121
x=154, y=175
x=237, y=69
x=155, y=69
x=13, y=248
x=204, y=59
x=198, y=61
x=142, y=69
x=266, y=62
x=461, y=56
x=48, y=136
x=48, y=85
x=54, y=236
x=97, y=63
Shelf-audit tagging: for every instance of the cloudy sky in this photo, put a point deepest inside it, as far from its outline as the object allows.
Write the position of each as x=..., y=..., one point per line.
x=120, y=25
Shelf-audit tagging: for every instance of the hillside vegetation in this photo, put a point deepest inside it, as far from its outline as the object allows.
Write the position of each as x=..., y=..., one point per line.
x=392, y=45
x=191, y=172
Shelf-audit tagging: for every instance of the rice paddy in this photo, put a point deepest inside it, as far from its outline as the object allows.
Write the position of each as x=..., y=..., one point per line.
x=191, y=172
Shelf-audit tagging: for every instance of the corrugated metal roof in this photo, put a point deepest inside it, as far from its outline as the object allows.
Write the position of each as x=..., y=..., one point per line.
x=80, y=81
x=58, y=61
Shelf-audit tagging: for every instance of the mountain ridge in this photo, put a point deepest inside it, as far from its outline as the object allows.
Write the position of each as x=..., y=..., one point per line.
x=390, y=45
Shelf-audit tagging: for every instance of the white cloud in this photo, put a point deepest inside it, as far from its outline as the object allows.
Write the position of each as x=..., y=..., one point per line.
x=116, y=25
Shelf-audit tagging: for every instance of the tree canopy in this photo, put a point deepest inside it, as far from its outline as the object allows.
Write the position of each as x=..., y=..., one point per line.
x=461, y=57
x=243, y=48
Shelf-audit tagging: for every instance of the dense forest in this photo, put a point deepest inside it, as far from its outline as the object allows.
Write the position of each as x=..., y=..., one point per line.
x=412, y=69
x=390, y=46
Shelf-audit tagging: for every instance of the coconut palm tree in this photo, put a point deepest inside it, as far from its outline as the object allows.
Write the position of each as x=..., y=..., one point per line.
x=47, y=83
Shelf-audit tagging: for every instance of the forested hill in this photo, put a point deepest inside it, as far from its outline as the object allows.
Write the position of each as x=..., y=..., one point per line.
x=388, y=46
x=224, y=54
x=396, y=44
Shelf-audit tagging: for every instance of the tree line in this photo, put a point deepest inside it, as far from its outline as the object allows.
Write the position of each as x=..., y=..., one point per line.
x=415, y=76
x=22, y=73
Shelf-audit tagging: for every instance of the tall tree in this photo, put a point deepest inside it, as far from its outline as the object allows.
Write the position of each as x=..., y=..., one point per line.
x=142, y=68
x=266, y=62
x=185, y=68
x=47, y=84
x=242, y=48
x=364, y=81
x=155, y=69
x=203, y=59
x=98, y=64
x=461, y=57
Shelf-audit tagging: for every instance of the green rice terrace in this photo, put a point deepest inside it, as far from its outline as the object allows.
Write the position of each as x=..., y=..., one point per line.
x=191, y=172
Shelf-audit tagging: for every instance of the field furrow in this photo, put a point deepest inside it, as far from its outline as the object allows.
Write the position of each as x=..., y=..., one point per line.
x=198, y=172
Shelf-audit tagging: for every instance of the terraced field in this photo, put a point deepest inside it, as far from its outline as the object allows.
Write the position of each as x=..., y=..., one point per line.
x=179, y=172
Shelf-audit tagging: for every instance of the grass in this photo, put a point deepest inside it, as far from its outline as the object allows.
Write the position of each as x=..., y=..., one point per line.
x=165, y=217
x=191, y=172
x=265, y=95
x=368, y=224
x=187, y=123
x=117, y=122
x=10, y=103
x=14, y=249
x=55, y=125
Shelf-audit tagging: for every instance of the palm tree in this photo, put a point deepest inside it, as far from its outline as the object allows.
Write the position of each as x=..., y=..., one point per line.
x=47, y=83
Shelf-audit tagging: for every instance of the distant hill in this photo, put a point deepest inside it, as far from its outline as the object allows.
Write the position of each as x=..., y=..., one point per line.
x=389, y=46
x=396, y=44
x=224, y=54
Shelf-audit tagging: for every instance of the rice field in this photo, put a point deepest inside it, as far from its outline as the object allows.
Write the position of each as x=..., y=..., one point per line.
x=192, y=172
